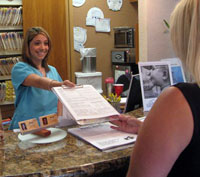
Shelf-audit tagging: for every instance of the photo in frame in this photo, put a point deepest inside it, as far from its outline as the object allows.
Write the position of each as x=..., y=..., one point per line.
x=154, y=78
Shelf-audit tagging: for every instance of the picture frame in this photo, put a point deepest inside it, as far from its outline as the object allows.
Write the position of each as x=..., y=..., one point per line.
x=155, y=76
x=178, y=74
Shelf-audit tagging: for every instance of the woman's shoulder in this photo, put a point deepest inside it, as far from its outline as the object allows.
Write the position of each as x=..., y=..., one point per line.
x=20, y=65
x=52, y=68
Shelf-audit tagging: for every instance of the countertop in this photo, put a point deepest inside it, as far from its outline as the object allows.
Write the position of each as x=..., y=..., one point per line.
x=68, y=157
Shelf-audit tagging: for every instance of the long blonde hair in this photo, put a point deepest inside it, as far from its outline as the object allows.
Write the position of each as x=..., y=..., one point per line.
x=185, y=35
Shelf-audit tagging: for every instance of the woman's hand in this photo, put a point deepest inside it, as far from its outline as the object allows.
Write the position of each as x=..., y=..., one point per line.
x=68, y=83
x=126, y=123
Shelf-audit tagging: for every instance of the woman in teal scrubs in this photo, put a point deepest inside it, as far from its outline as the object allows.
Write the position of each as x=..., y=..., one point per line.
x=33, y=79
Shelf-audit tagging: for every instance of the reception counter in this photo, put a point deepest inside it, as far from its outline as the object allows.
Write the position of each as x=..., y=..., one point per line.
x=68, y=157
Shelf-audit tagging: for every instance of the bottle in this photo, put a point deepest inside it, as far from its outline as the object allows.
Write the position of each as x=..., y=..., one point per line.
x=109, y=85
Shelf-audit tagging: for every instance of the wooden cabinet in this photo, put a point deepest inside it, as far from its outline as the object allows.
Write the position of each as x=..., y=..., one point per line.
x=53, y=16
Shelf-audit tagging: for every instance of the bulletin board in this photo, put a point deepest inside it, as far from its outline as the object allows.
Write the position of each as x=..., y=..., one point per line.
x=103, y=42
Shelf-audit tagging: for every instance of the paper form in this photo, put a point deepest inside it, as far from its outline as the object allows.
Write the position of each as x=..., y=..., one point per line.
x=85, y=104
x=102, y=136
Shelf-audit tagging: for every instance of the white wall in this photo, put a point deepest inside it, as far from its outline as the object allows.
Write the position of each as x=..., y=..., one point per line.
x=154, y=37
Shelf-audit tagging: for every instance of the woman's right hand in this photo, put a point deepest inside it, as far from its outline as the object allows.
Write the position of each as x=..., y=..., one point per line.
x=126, y=123
x=68, y=83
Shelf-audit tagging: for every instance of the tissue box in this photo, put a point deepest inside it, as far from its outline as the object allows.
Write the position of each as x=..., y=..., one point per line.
x=94, y=79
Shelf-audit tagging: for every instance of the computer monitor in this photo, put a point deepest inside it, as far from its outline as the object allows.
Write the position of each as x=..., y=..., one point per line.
x=134, y=98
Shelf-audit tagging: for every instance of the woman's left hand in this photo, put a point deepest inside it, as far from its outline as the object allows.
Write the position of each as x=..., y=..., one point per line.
x=126, y=123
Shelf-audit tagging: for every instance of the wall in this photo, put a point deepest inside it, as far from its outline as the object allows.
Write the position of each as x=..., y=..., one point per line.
x=154, y=40
x=103, y=42
x=42, y=13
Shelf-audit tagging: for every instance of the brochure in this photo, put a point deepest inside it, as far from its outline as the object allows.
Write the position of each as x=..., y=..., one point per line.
x=103, y=137
x=176, y=69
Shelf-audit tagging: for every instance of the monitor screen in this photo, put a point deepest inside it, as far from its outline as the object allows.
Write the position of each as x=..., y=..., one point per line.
x=134, y=98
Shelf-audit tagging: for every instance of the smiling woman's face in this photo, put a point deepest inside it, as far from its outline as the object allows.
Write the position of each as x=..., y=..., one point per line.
x=39, y=47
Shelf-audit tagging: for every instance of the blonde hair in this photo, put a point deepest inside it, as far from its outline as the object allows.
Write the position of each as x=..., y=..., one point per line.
x=185, y=35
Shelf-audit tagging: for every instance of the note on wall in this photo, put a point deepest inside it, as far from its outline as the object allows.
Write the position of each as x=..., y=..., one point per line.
x=78, y=3
x=102, y=25
x=93, y=14
x=115, y=5
x=80, y=37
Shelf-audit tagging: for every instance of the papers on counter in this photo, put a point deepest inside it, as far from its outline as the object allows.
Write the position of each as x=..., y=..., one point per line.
x=103, y=137
x=84, y=104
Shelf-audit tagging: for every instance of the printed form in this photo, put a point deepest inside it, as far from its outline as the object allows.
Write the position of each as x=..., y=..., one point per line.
x=85, y=104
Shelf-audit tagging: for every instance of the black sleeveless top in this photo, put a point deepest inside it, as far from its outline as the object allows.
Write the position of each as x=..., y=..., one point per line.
x=188, y=163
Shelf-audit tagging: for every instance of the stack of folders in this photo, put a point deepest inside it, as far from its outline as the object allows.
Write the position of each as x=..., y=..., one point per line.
x=10, y=16
x=6, y=65
x=11, y=41
x=7, y=91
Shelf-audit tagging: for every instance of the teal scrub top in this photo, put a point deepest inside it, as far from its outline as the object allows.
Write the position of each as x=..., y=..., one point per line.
x=32, y=102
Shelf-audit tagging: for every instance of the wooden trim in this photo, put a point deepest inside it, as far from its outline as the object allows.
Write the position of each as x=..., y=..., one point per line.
x=70, y=40
x=136, y=37
x=133, y=0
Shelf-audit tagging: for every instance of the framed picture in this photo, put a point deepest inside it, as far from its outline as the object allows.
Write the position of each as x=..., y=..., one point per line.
x=154, y=78
x=176, y=69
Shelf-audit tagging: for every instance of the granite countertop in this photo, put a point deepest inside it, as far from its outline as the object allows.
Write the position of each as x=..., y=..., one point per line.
x=68, y=157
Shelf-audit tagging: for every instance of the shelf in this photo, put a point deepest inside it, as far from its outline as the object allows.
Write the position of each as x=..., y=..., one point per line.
x=133, y=0
x=2, y=78
x=6, y=103
x=9, y=53
x=11, y=2
x=10, y=28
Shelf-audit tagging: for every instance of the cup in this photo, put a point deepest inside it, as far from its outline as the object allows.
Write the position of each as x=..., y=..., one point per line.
x=118, y=88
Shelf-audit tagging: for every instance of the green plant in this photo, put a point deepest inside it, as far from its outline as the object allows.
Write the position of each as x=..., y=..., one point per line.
x=113, y=98
x=166, y=23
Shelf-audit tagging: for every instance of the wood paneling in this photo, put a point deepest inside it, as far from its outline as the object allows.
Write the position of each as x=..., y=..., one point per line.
x=53, y=16
x=136, y=42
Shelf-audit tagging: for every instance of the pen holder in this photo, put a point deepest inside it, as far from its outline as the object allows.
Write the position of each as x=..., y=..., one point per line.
x=116, y=105
x=114, y=100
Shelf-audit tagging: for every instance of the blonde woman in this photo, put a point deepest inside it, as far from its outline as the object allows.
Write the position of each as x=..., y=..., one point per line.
x=168, y=141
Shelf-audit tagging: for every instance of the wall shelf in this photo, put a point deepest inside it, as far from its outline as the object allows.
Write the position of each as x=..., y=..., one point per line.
x=6, y=103
x=7, y=77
